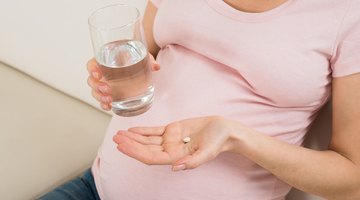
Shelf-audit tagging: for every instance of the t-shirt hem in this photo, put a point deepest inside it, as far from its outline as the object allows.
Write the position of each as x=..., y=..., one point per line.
x=95, y=169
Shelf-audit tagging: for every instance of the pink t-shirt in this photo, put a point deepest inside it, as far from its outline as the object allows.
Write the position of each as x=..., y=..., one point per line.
x=271, y=71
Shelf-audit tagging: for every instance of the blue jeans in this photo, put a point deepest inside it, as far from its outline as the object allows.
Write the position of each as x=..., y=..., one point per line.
x=80, y=188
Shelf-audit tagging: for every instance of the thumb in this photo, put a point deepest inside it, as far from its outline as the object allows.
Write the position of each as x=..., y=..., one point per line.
x=154, y=65
x=198, y=158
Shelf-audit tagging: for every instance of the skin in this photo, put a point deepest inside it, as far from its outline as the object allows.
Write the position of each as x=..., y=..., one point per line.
x=332, y=174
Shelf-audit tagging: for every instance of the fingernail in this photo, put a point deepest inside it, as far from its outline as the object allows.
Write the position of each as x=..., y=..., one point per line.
x=115, y=139
x=106, y=99
x=178, y=167
x=106, y=107
x=103, y=89
x=95, y=75
x=121, y=132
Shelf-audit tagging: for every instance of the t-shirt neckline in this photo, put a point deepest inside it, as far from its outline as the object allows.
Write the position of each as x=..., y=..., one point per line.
x=225, y=9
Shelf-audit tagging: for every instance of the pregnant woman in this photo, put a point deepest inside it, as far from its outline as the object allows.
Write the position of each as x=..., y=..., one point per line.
x=240, y=83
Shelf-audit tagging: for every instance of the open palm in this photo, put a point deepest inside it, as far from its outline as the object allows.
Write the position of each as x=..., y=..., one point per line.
x=164, y=145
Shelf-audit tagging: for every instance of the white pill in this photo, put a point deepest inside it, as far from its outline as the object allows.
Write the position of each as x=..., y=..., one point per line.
x=186, y=139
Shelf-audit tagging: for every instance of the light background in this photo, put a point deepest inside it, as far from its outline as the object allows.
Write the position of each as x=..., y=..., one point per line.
x=50, y=40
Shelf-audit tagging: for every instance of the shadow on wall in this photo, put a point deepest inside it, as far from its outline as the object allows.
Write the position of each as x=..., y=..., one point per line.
x=318, y=138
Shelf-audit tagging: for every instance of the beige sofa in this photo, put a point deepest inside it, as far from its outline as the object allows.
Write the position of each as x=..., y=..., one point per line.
x=47, y=137
x=50, y=125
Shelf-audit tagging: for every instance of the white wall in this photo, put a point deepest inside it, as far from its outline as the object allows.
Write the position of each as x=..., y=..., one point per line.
x=50, y=40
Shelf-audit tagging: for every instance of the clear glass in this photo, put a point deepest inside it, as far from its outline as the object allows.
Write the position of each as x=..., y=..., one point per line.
x=120, y=49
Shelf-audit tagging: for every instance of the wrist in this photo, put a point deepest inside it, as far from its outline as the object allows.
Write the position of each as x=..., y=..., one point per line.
x=238, y=137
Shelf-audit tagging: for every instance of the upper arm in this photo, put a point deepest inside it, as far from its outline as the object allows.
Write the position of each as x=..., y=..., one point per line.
x=346, y=117
x=148, y=23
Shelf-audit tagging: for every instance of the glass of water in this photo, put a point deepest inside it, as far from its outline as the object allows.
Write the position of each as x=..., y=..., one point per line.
x=120, y=49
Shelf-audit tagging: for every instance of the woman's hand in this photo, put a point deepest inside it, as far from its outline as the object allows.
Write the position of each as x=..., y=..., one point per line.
x=99, y=89
x=164, y=145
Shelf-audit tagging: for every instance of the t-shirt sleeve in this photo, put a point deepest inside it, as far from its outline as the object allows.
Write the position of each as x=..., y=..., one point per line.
x=346, y=58
x=156, y=2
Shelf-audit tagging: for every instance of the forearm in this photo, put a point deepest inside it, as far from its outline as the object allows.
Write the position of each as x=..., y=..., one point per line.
x=325, y=173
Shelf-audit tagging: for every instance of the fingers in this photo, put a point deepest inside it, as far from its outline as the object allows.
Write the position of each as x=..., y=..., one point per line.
x=146, y=140
x=201, y=156
x=149, y=131
x=98, y=85
x=154, y=65
x=93, y=69
x=148, y=154
x=100, y=93
x=106, y=107
x=101, y=97
x=100, y=90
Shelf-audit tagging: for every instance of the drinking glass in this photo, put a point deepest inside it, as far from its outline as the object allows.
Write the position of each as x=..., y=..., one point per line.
x=120, y=49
